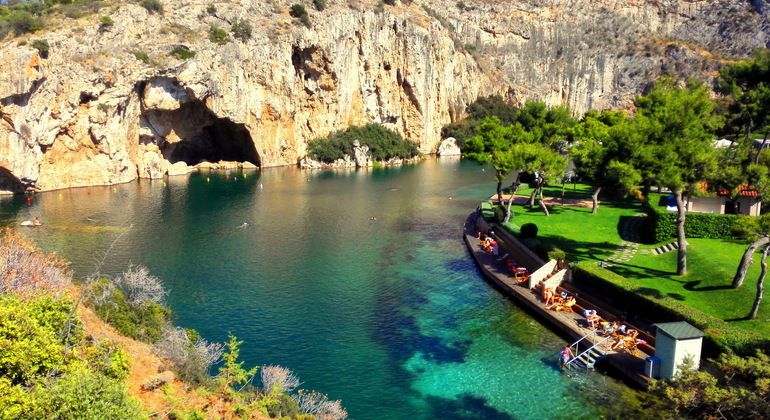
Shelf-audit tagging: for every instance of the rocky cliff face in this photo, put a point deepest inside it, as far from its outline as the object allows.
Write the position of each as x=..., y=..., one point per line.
x=93, y=113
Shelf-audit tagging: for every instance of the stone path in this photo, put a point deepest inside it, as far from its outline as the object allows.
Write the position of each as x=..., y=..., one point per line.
x=630, y=242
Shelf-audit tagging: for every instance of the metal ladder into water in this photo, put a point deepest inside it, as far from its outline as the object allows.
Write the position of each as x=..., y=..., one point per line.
x=588, y=357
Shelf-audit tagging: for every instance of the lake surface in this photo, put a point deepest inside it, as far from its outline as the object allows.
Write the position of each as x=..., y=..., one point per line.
x=389, y=315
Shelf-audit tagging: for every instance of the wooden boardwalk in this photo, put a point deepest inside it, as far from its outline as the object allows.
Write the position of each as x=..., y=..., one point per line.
x=572, y=324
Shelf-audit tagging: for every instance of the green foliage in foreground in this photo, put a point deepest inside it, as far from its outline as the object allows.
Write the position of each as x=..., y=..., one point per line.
x=143, y=321
x=384, y=144
x=152, y=6
x=47, y=374
x=738, y=389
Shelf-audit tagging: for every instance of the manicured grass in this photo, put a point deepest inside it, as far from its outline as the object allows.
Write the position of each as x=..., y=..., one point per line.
x=582, y=235
x=711, y=263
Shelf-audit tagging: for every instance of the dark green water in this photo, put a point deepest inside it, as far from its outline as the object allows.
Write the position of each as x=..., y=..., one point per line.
x=389, y=315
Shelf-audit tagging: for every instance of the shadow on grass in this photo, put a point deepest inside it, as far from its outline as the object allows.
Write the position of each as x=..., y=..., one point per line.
x=692, y=286
x=587, y=250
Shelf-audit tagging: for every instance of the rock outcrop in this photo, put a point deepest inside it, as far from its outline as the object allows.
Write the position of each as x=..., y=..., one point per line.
x=448, y=147
x=111, y=104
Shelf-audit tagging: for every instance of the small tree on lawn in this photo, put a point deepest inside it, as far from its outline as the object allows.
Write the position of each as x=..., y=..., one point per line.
x=677, y=124
x=601, y=152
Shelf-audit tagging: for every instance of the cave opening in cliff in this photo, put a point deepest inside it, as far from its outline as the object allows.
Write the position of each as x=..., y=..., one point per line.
x=193, y=134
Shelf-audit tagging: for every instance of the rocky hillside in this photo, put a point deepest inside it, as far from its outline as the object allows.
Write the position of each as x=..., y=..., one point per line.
x=110, y=103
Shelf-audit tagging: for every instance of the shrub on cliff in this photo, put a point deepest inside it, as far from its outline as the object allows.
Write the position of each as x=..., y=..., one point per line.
x=242, y=29
x=319, y=5
x=298, y=11
x=152, y=6
x=182, y=53
x=384, y=144
x=217, y=35
x=41, y=45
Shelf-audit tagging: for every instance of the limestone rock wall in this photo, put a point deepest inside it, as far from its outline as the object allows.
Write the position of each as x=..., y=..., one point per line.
x=95, y=113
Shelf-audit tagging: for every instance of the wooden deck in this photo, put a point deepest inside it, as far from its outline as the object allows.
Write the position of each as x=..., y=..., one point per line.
x=572, y=324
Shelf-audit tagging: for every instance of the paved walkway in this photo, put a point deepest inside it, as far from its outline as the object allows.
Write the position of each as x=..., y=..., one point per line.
x=629, y=244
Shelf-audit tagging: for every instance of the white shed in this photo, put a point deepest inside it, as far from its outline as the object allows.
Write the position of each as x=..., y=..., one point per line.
x=674, y=342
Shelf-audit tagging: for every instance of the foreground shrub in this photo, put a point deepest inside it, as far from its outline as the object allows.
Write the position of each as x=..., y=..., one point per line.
x=191, y=355
x=25, y=270
x=298, y=11
x=137, y=317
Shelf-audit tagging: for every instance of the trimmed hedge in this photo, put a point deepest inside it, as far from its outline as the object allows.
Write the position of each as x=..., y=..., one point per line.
x=662, y=224
x=649, y=303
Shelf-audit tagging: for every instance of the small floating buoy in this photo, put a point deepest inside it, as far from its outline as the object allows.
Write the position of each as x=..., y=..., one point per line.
x=245, y=176
x=186, y=181
x=88, y=192
x=208, y=180
x=227, y=176
x=235, y=179
x=29, y=200
x=164, y=184
x=60, y=196
x=114, y=190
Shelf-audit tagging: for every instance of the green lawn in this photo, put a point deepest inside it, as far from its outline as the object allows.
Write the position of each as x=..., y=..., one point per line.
x=711, y=263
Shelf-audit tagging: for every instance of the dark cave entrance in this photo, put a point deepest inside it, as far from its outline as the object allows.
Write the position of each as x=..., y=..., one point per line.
x=193, y=134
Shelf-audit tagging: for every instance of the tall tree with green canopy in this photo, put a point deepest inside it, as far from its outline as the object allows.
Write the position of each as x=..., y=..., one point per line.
x=748, y=84
x=601, y=153
x=676, y=124
x=492, y=145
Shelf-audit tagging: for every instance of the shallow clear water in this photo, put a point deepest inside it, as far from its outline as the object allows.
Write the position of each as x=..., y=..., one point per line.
x=389, y=315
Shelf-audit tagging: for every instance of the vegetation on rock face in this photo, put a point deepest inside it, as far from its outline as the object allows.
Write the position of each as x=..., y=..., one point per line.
x=217, y=35
x=182, y=53
x=242, y=29
x=51, y=367
x=383, y=143
x=298, y=11
x=152, y=6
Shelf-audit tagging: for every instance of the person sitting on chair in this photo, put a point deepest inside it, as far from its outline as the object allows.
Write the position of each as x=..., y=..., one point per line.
x=591, y=318
x=567, y=305
x=548, y=296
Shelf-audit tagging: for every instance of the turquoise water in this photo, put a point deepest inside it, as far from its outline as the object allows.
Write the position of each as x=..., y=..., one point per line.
x=389, y=315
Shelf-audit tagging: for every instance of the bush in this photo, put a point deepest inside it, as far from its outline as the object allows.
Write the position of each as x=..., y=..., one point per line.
x=84, y=394
x=662, y=224
x=211, y=9
x=105, y=23
x=298, y=11
x=384, y=144
x=660, y=308
x=528, y=230
x=319, y=5
x=182, y=53
x=217, y=36
x=191, y=355
x=152, y=6
x=242, y=29
x=21, y=22
x=143, y=57
x=141, y=320
x=389, y=2
x=24, y=270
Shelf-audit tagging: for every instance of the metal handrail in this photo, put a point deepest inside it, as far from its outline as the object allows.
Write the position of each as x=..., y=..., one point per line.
x=588, y=349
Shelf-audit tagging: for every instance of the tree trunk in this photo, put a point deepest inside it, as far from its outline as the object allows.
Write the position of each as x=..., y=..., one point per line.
x=499, y=189
x=761, y=148
x=646, y=188
x=681, y=261
x=532, y=196
x=747, y=260
x=540, y=186
x=510, y=201
x=545, y=208
x=595, y=198
x=760, y=284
